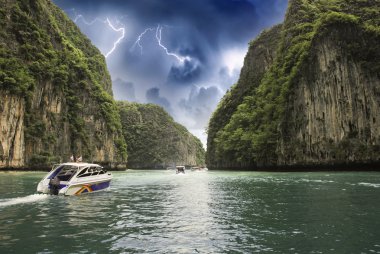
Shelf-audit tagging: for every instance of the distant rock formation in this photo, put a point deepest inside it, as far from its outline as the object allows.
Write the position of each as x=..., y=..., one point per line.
x=155, y=140
x=308, y=94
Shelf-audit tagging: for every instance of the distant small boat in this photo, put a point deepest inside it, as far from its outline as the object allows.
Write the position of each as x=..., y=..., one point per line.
x=180, y=170
x=75, y=178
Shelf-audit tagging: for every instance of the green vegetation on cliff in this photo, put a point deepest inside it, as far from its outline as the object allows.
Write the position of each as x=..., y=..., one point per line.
x=44, y=55
x=259, y=58
x=260, y=131
x=155, y=140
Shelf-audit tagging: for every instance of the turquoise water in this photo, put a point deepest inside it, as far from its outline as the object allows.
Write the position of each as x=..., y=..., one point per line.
x=199, y=212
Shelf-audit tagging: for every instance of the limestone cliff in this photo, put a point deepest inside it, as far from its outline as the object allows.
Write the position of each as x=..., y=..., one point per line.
x=55, y=90
x=258, y=60
x=155, y=140
x=318, y=102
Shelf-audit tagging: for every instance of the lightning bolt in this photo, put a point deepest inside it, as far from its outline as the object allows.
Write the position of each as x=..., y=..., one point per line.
x=158, y=34
x=122, y=29
x=107, y=22
x=78, y=17
x=138, y=41
x=158, y=37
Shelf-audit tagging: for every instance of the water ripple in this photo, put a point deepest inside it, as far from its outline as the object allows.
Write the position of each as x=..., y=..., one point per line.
x=212, y=212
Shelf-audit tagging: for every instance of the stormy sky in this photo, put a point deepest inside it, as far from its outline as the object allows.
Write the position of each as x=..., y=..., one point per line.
x=180, y=54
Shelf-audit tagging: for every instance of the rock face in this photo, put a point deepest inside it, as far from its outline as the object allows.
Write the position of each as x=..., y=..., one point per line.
x=155, y=140
x=333, y=115
x=258, y=60
x=55, y=91
x=12, y=113
x=318, y=101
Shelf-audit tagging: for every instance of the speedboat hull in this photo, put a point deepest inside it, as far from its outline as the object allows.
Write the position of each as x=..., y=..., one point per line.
x=77, y=189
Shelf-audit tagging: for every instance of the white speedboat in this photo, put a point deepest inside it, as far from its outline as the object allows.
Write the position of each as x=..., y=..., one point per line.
x=180, y=169
x=74, y=179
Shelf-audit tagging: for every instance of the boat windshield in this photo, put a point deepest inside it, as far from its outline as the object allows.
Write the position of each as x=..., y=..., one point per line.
x=91, y=171
x=67, y=172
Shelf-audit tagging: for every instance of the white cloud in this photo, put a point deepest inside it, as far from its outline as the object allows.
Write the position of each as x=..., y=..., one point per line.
x=233, y=59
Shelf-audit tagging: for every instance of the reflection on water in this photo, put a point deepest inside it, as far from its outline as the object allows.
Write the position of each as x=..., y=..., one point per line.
x=163, y=210
x=199, y=212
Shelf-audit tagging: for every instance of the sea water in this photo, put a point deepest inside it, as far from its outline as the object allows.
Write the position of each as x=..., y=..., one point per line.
x=199, y=212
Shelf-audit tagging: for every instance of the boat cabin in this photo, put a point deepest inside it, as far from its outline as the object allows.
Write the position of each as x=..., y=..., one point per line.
x=65, y=172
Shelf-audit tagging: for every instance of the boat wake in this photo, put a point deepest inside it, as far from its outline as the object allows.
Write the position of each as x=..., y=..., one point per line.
x=376, y=185
x=23, y=200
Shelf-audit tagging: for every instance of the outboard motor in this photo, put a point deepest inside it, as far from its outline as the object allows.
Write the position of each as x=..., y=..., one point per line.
x=54, y=185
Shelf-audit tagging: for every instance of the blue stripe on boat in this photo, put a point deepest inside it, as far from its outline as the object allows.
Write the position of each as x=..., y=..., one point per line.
x=100, y=186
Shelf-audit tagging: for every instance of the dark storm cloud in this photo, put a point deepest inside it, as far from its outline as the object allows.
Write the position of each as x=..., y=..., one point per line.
x=232, y=18
x=200, y=29
x=189, y=71
x=215, y=22
x=200, y=104
x=153, y=96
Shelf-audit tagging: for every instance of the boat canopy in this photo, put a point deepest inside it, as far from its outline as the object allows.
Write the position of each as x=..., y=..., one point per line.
x=66, y=171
